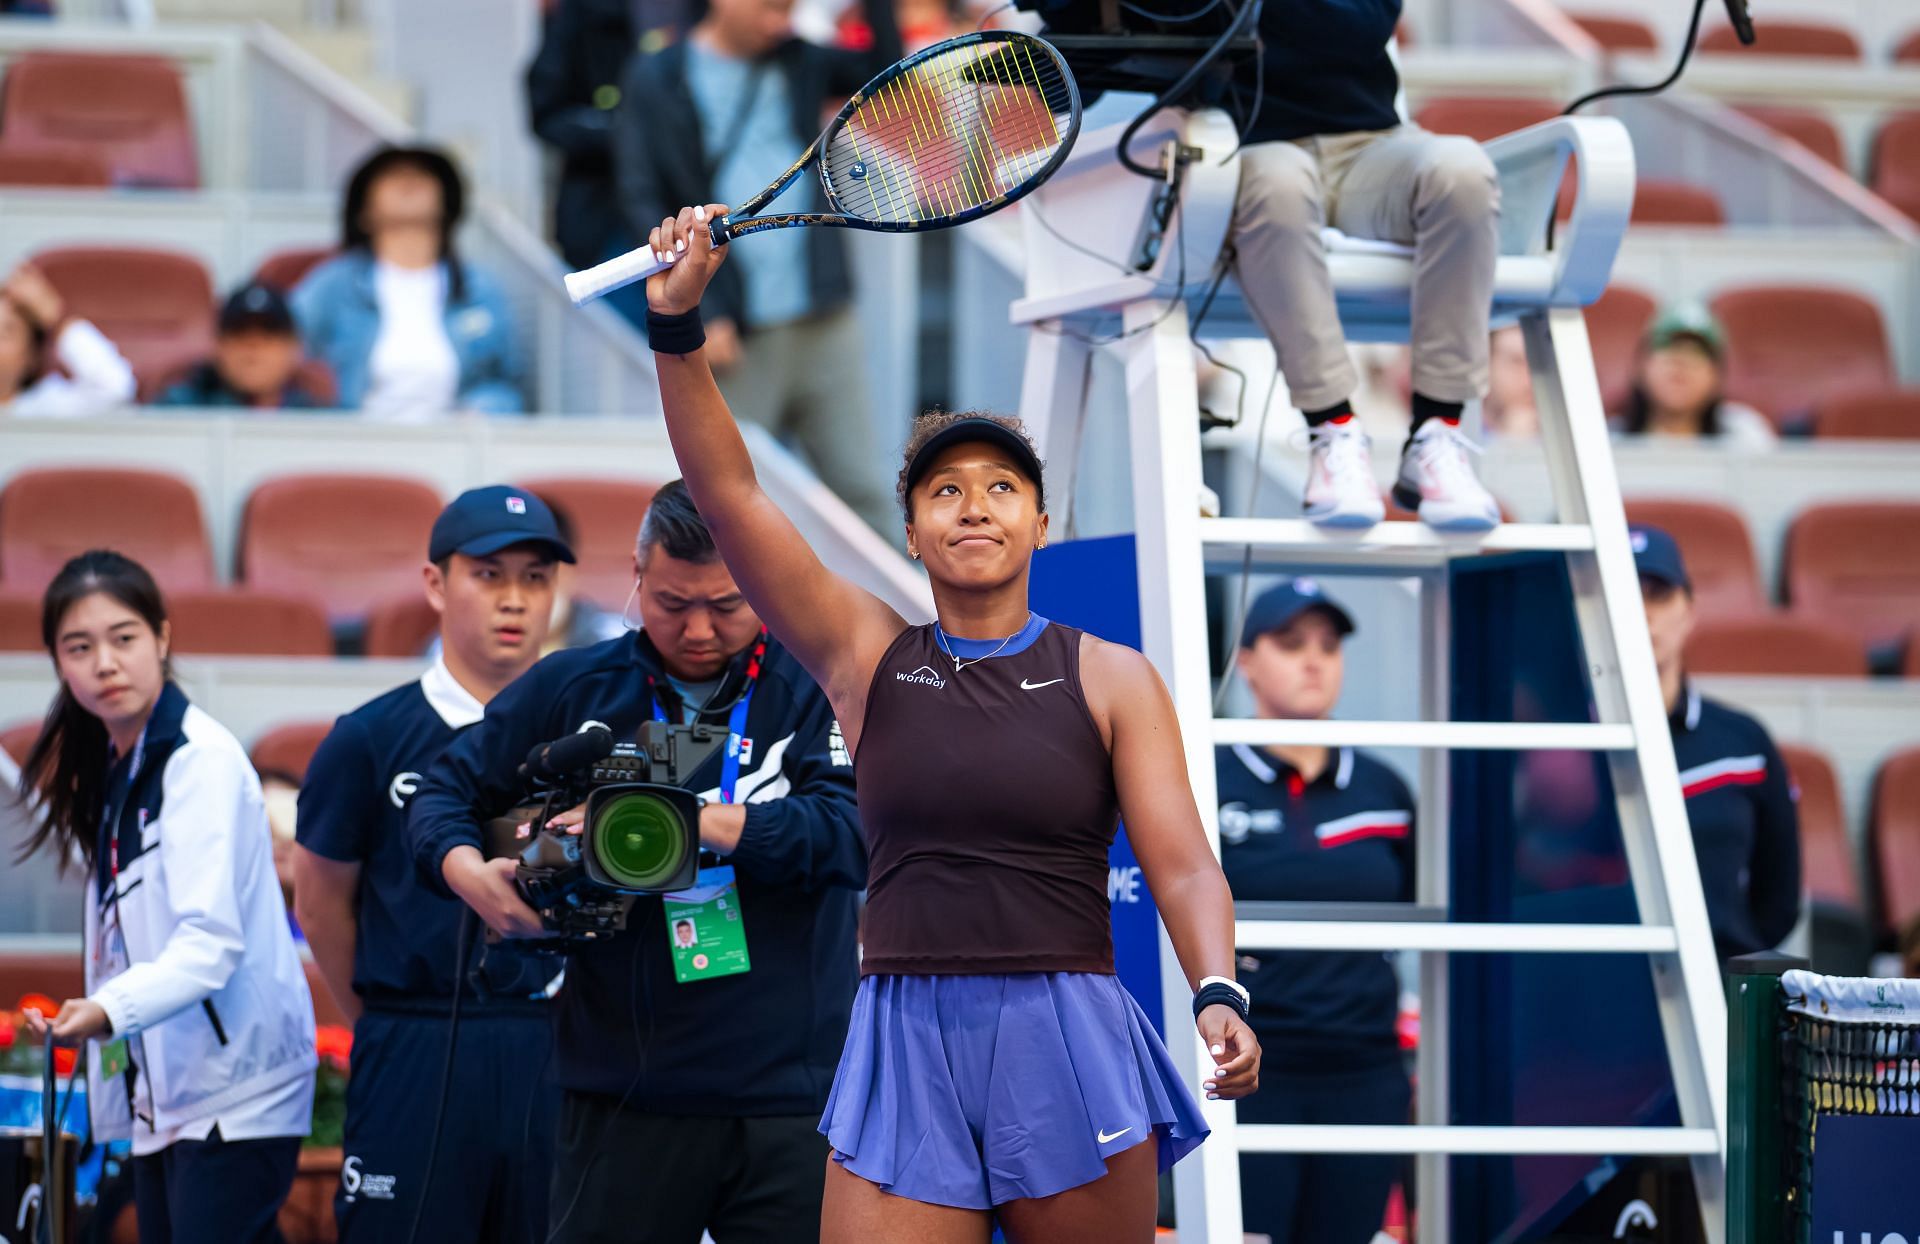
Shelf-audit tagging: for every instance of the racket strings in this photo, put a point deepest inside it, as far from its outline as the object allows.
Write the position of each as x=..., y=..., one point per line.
x=952, y=134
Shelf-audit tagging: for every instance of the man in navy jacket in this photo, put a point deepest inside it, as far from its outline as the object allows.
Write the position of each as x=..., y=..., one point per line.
x=687, y=1106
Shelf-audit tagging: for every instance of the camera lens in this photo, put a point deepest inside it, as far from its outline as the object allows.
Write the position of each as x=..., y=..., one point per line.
x=639, y=839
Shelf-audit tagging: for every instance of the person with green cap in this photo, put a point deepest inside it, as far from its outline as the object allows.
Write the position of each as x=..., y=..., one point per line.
x=1680, y=388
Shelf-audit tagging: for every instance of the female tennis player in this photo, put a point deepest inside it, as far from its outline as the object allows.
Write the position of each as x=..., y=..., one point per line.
x=994, y=1066
x=198, y=1011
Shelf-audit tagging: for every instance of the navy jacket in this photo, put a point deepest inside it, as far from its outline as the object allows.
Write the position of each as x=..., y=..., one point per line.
x=1746, y=830
x=1345, y=837
x=1327, y=70
x=762, y=1043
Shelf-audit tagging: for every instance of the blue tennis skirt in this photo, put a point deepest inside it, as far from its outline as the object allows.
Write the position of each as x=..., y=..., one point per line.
x=973, y=1091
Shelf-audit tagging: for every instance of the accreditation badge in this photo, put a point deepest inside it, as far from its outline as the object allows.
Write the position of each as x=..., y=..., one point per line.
x=705, y=932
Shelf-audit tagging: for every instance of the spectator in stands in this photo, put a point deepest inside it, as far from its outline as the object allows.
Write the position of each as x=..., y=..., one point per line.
x=36, y=338
x=409, y=329
x=576, y=623
x=1328, y=147
x=1683, y=366
x=781, y=333
x=1315, y=824
x=1508, y=413
x=1740, y=797
x=256, y=359
x=196, y=1004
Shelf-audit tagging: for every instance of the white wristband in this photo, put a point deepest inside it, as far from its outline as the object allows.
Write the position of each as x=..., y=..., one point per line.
x=1234, y=985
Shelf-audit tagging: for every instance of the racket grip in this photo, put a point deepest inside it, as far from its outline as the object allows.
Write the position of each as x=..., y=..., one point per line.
x=617, y=273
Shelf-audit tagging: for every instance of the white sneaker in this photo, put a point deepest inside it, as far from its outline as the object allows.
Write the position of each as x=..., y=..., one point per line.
x=1341, y=491
x=1437, y=481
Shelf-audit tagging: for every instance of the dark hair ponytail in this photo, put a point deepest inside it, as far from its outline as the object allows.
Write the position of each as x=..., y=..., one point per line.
x=68, y=763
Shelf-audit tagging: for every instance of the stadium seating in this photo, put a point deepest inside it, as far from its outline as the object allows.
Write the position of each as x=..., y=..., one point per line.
x=1485, y=118
x=157, y=306
x=1615, y=325
x=1618, y=34
x=400, y=627
x=51, y=515
x=53, y=167
x=241, y=623
x=605, y=516
x=1657, y=202
x=1895, y=839
x=1793, y=348
x=1806, y=126
x=1775, y=643
x=1853, y=564
x=17, y=740
x=288, y=750
x=1826, y=854
x=1719, y=553
x=1908, y=49
x=345, y=542
x=1896, y=162
x=19, y=624
x=1786, y=38
x=132, y=110
x=1890, y=416
x=284, y=269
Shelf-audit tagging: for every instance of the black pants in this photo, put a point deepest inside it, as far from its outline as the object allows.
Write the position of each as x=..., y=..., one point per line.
x=622, y=1177
x=490, y=1173
x=1310, y=1198
x=214, y=1191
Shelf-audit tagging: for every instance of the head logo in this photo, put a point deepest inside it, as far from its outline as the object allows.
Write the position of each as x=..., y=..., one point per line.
x=1307, y=587
x=401, y=788
x=516, y=505
x=925, y=675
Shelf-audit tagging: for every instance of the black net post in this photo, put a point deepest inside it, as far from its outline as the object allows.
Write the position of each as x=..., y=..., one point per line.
x=1758, y=1209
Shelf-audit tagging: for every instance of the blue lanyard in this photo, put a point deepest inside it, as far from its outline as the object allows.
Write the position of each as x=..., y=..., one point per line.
x=736, y=730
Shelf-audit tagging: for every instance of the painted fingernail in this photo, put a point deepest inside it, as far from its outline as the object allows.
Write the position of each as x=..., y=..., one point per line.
x=699, y=213
x=1209, y=1086
x=1219, y=1071
x=681, y=245
x=1217, y=1050
x=1213, y=1097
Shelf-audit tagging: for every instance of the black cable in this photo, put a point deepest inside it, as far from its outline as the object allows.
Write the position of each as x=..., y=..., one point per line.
x=1249, y=12
x=1174, y=18
x=463, y=943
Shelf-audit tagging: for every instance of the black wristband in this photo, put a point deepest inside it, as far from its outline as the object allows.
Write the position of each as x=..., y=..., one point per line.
x=675, y=334
x=1219, y=994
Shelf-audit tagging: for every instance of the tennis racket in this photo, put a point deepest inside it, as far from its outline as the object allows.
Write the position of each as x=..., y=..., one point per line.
x=949, y=134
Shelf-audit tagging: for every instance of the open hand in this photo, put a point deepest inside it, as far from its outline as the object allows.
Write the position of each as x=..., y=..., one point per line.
x=1235, y=1051
x=689, y=237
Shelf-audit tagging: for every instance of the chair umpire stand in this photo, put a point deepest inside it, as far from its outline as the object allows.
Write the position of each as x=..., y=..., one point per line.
x=1139, y=312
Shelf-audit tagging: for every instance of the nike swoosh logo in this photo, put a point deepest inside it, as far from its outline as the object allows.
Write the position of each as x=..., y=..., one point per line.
x=1107, y=1136
x=1035, y=686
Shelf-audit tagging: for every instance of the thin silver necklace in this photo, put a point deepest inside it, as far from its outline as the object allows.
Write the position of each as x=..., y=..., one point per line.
x=940, y=637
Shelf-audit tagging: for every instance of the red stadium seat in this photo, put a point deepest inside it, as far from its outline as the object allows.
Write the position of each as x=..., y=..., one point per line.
x=1618, y=34
x=1485, y=118
x=1775, y=643
x=401, y=627
x=1793, y=348
x=345, y=542
x=155, y=305
x=1852, y=563
x=48, y=516
x=1657, y=202
x=605, y=516
x=285, y=269
x=242, y=623
x=20, y=624
x=1890, y=416
x=288, y=750
x=53, y=167
x=1615, y=325
x=1826, y=854
x=1778, y=38
x=1807, y=126
x=17, y=740
x=1908, y=49
x=1894, y=836
x=1719, y=553
x=1896, y=162
x=132, y=110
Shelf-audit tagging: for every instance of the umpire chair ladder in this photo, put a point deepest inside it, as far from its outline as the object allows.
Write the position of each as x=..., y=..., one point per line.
x=1542, y=288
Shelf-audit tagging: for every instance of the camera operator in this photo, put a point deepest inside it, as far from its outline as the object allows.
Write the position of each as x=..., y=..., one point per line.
x=388, y=947
x=1328, y=147
x=687, y=1106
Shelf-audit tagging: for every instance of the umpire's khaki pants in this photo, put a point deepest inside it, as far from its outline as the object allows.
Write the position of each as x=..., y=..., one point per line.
x=806, y=382
x=1437, y=193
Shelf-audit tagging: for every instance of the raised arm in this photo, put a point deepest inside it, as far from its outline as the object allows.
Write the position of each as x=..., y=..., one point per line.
x=839, y=631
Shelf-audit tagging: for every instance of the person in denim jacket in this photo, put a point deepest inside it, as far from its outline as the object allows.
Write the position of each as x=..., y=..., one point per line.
x=409, y=329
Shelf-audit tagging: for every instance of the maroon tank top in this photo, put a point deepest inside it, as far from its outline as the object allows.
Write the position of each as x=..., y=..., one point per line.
x=988, y=804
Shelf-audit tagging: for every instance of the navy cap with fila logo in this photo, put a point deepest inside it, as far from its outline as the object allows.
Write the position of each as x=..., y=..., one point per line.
x=1656, y=555
x=482, y=521
x=1287, y=600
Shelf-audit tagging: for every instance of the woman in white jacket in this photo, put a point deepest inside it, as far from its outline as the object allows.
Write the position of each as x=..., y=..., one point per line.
x=197, y=1008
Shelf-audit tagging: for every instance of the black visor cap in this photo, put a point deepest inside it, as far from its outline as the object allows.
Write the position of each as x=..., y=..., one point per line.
x=977, y=430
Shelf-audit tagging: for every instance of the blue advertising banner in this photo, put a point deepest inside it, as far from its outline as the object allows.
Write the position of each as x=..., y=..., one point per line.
x=1864, y=1191
x=1094, y=585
